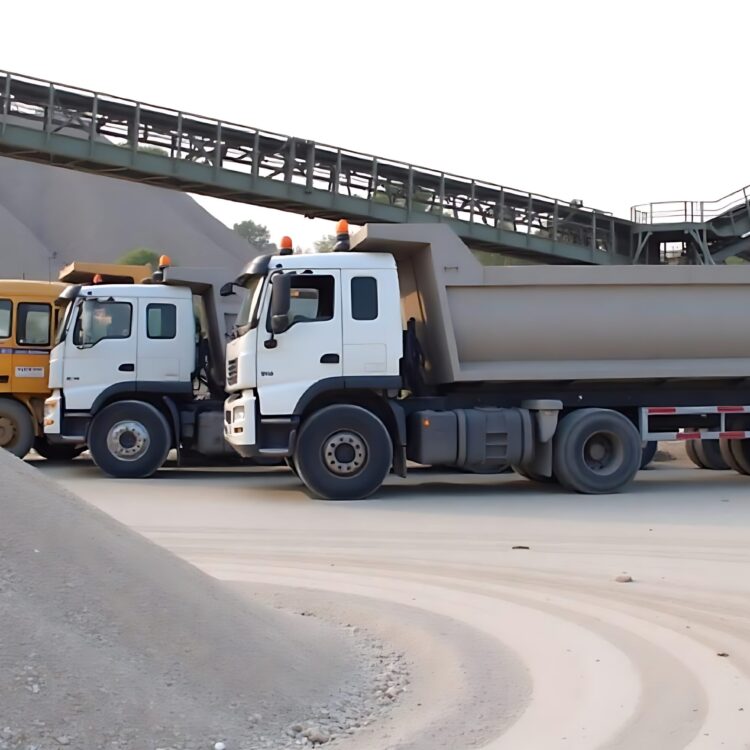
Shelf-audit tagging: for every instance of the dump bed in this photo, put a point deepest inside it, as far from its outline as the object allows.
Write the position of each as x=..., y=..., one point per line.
x=554, y=323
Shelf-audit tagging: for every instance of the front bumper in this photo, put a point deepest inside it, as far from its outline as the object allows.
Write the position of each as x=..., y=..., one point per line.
x=239, y=423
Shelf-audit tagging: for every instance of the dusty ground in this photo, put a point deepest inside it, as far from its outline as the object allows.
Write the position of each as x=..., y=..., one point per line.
x=506, y=648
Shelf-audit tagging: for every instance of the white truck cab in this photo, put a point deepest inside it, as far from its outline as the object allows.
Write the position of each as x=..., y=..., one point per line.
x=138, y=369
x=342, y=330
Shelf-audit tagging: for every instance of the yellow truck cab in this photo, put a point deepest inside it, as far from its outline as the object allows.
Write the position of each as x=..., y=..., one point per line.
x=28, y=323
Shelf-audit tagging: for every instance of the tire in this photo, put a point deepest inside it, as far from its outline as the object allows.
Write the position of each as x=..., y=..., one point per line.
x=647, y=453
x=596, y=451
x=692, y=454
x=533, y=477
x=709, y=454
x=16, y=427
x=129, y=439
x=289, y=461
x=57, y=451
x=741, y=454
x=343, y=453
x=727, y=453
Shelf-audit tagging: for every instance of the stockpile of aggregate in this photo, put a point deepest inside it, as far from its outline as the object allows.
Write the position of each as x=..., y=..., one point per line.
x=109, y=641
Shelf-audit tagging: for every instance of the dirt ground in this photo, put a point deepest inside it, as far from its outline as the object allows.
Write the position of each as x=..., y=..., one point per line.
x=501, y=594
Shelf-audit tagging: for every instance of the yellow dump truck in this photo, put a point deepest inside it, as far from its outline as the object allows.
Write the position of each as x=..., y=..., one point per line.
x=28, y=323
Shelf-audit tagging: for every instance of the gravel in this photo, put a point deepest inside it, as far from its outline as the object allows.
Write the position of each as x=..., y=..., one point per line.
x=110, y=642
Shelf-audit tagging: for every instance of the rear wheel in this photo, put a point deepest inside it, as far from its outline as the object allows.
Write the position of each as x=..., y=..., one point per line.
x=741, y=454
x=129, y=439
x=16, y=427
x=343, y=453
x=709, y=454
x=727, y=454
x=648, y=453
x=596, y=451
x=692, y=454
x=57, y=451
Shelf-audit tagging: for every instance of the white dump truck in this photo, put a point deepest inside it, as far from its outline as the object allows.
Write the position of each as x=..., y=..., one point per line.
x=138, y=369
x=402, y=346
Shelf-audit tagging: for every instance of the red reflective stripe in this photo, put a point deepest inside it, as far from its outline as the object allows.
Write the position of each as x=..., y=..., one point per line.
x=688, y=436
x=662, y=410
x=731, y=408
x=737, y=435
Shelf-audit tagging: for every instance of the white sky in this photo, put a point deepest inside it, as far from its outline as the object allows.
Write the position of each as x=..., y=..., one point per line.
x=613, y=102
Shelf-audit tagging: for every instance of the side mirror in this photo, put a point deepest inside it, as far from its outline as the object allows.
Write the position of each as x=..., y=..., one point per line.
x=281, y=298
x=227, y=290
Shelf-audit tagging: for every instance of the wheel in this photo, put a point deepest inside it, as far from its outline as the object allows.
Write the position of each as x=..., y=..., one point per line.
x=289, y=461
x=596, y=451
x=741, y=454
x=692, y=454
x=343, y=453
x=647, y=453
x=709, y=454
x=57, y=451
x=129, y=439
x=727, y=453
x=532, y=476
x=16, y=427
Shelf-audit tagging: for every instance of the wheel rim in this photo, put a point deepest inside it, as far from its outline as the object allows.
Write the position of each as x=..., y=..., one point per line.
x=128, y=440
x=344, y=453
x=603, y=453
x=7, y=431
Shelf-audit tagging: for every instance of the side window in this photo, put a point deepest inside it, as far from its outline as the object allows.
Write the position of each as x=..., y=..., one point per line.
x=102, y=320
x=161, y=321
x=33, y=324
x=364, y=292
x=311, y=299
x=6, y=313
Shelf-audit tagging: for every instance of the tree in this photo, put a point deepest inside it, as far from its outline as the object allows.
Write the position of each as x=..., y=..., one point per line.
x=325, y=244
x=140, y=256
x=256, y=234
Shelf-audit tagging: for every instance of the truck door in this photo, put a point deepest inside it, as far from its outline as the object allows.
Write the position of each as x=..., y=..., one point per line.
x=158, y=342
x=100, y=351
x=310, y=350
x=31, y=352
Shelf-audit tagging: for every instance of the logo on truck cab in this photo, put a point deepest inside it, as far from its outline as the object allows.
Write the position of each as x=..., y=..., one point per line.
x=267, y=373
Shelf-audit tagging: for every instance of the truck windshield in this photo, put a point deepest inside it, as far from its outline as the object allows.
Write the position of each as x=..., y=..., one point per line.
x=62, y=328
x=247, y=317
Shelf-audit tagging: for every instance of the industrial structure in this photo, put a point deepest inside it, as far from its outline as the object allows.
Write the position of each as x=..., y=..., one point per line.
x=79, y=129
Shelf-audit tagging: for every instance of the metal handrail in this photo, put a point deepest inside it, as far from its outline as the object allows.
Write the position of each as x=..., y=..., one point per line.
x=665, y=212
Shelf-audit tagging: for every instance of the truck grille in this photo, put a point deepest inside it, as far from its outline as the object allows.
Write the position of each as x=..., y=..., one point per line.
x=232, y=372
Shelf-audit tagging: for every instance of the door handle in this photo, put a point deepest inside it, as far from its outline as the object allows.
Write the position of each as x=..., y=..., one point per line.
x=330, y=359
x=127, y=367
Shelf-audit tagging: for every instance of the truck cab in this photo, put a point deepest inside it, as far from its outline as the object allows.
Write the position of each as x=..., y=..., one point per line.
x=138, y=369
x=311, y=327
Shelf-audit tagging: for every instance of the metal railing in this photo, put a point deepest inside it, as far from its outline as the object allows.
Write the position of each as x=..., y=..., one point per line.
x=667, y=212
x=177, y=137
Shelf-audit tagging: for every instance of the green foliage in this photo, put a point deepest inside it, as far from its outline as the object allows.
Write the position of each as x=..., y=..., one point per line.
x=256, y=234
x=140, y=256
x=325, y=243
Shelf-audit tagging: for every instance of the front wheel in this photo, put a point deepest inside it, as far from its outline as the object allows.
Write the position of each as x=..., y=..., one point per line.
x=16, y=427
x=129, y=439
x=596, y=451
x=343, y=453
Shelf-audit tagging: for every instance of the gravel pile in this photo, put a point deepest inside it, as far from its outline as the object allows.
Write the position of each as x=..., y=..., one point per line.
x=109, y=642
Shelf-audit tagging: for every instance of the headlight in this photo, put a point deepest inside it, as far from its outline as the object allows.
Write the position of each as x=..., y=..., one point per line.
x=238, y=414
x=50, y=409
